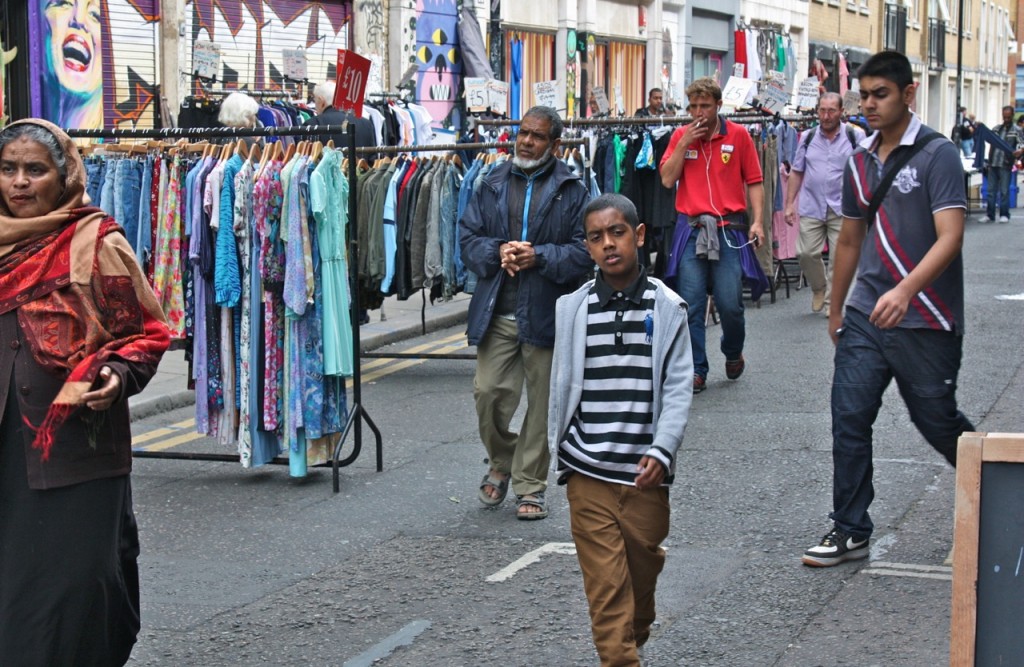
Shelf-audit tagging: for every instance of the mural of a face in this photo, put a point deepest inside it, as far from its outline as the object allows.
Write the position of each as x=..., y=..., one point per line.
x=73, y=44
x=73, y=54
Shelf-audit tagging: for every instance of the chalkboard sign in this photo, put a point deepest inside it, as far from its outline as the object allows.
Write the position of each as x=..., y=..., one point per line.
x=988, y=551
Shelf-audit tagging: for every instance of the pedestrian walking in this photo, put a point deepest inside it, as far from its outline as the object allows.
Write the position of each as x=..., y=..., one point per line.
x=718, y=170
x=999, y=167
x=817, y=177
x=903, y=226
x=82, y=332
x=522, y=235
x=621, y=387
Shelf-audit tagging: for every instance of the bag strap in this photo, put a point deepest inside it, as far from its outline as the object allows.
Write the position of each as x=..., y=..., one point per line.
x=901, y=161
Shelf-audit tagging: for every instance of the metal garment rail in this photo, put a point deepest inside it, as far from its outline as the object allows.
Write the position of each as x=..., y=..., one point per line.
x=747, y=118
x=357, y=412
x=423, y=306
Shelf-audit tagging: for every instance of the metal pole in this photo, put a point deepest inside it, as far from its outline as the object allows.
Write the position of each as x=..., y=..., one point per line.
x=959, y=60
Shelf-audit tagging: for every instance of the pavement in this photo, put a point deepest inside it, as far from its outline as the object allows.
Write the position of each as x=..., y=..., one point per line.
x=395, y=322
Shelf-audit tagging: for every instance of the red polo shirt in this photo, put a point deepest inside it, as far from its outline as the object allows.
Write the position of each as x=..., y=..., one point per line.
x=715, y=171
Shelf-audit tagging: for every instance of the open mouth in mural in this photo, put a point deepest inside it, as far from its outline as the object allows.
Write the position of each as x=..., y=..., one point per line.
x=77, y=54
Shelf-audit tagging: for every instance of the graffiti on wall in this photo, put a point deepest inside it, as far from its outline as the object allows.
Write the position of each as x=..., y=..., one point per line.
x=437, y=58
x=92, y=65
x=253, y=34
x=5, y=58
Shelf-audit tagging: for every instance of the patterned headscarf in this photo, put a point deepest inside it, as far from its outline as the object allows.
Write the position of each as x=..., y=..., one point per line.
x=81, y=297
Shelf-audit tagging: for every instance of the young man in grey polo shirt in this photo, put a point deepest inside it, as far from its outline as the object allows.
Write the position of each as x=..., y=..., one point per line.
x=905, y=317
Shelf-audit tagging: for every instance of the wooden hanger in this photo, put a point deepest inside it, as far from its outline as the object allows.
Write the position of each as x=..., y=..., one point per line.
x=317, y=150
x=290, y=153
x=242, y=148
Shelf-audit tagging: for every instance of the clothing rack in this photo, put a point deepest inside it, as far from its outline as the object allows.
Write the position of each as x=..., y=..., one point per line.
x=357, y=412
x=569, y=123
x=423, y=306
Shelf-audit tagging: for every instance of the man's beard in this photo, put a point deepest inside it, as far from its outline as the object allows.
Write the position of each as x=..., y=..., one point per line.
x=529, y=165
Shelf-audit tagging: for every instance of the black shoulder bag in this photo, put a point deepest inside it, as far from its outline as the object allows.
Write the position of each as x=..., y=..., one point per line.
x=901, y=161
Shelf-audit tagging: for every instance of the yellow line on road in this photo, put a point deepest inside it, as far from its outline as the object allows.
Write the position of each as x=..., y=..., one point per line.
x=385, y=366
x=172, y=442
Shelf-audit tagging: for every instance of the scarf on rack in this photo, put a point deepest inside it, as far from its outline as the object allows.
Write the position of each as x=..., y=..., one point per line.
x=80, y=296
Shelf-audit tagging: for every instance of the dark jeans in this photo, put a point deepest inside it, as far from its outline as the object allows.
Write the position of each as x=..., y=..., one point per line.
x=925, y=364
x=999, y=191
x=725, y=279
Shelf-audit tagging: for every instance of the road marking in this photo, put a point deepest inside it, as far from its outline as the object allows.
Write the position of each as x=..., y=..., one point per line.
x=940, y=572
x=528, y=559
x=384, y=648
x=384, y=367
x=1010, y=297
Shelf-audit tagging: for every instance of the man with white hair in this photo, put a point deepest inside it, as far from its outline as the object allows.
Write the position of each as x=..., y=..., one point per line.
x=323, y=100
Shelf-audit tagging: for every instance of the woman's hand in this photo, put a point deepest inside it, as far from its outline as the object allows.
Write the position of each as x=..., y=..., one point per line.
x=104, y=396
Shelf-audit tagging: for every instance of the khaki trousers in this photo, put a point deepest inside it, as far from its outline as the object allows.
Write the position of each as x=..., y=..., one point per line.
x=809, y=245
x=618, y=531
x=502, y=366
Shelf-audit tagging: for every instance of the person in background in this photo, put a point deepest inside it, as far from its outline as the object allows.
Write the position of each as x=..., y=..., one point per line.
x=966, y=132
x=904, y=319
x=522, y=235
x=718, y=170
x=655, y=104
x=621, y=388
x=999, y=167
x=817, y=177
x=326, y=114
x=82, y=331
x=238, y=110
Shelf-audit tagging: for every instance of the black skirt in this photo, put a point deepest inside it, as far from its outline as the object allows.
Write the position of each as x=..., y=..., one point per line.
x=69, y=578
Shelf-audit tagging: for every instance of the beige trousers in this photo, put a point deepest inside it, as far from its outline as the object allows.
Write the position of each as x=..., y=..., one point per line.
x=809, y=246
x=503, y=365
x=618, y=531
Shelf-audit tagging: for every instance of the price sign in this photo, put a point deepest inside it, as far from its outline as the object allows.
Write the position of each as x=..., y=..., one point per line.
x=620, y=105
x=601, y=99
x=774, y=97
x=206, y=59
x=736, y=92
x=546, y=93
x=851, y=103
x=476, y=93
x=807, y=94
x=294, y=63
x=738, y=70
x=497, y=93
x=353, y=70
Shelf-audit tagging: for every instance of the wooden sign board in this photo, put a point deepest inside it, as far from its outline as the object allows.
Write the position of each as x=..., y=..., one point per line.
x=988, y=551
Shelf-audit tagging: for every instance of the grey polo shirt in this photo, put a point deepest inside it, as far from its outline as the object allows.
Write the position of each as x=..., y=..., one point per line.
x=904, y=229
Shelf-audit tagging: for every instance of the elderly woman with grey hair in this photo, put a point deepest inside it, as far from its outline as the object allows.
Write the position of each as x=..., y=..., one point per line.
x=82, y=331
x=238, y=110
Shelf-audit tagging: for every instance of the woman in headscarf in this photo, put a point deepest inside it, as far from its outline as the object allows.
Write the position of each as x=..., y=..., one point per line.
x=80, y=332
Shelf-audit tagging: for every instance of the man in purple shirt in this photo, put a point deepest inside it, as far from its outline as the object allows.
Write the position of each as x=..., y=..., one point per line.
x=821, y=155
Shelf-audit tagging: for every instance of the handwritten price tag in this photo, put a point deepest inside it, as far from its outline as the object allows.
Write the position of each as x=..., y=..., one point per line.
x=546, y=93
x=206, y=59
x=295, y=63
x=476, y=93
x=498, y=96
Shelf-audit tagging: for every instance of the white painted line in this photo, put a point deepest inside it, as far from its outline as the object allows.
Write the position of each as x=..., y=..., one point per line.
x=528, y=559
x=383, y=649
x=940, y=572
x=1010, y=297
x=912, y=566
x=909, y=573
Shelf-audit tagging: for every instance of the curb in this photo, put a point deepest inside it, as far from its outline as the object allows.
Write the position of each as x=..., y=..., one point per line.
x=150, y=407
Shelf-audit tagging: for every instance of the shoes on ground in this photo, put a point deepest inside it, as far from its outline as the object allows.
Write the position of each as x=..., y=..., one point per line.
x=835, y=548
x=699, y=384
x=734, y=368
x=988, y=220
x=817, y=301
x=1004, y=218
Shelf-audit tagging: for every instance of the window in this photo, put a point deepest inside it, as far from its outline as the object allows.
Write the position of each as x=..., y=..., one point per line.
x=626, y=66
x=968, y=10
x=894, y=37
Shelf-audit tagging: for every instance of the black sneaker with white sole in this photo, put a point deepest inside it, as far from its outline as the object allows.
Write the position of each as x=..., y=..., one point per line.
x=835, y=548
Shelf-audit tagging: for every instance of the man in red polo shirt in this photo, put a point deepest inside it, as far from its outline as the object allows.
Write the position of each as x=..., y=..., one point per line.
x=717, y=168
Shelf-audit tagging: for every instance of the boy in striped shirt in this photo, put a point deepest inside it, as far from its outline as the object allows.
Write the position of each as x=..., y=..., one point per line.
x=621, y=386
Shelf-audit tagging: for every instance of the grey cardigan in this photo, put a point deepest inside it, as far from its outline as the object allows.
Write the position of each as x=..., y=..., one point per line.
x=671, y=357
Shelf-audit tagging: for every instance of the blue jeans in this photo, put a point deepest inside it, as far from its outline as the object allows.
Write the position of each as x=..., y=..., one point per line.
x=94, y=168
x=999, y=191
x=127, y=188
x=925, y=364
x=723, y=279
x=145, y=235
x=106, y=201
x=967, y=146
